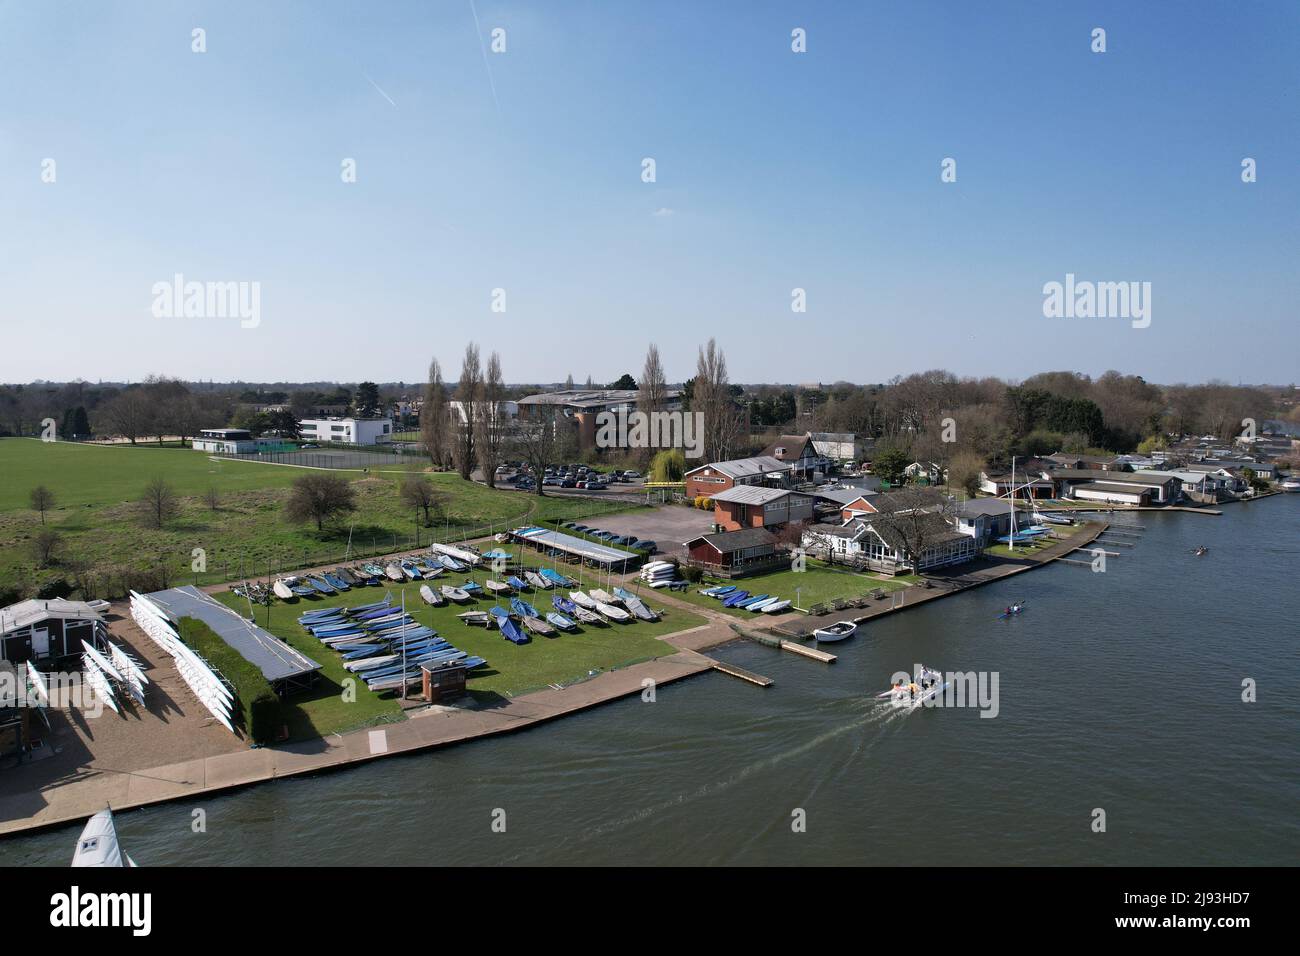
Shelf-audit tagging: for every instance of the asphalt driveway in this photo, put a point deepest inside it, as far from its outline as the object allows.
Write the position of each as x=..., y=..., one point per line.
x=667, y=525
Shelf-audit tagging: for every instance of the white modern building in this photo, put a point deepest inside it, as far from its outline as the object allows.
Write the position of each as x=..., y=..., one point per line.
x=351, y=431
x=231, y=441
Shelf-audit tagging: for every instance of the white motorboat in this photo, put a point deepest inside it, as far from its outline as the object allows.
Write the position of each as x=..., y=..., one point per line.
x=582, y=599
x=927, y=685
x=775, y=607
x=601, y=597
x=497, y=587
x=393, y=571
x=430, y=596
x=838, y=631
x=1289, y=484
x=454, y=594
x=98, y=846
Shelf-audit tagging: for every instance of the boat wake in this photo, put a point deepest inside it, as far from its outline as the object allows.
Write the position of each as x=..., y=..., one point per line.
x=875, y=716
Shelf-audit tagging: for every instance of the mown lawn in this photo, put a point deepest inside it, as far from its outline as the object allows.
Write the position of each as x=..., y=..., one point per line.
x=819, y=583
x=511, y=670
x=96, y=489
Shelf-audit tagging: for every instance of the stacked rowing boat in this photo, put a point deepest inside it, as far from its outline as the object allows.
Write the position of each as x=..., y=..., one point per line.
x=213, y=690
x=659, y=574
x=382, y=644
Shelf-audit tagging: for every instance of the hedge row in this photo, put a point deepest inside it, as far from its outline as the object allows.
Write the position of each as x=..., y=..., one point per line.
x=259, y=706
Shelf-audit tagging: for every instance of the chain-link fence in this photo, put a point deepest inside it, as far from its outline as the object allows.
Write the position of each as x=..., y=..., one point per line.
x=396, y=455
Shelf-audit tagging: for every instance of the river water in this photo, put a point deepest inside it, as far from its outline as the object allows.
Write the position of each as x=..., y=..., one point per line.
x=1118, y=691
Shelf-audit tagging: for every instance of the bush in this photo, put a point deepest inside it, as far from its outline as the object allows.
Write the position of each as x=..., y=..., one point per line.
x=56, y=588
x=258, y=706
x=704, y=503
x=693, y=575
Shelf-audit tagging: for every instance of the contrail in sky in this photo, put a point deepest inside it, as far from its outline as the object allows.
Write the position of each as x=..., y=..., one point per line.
x=377, y=87
x=483, y=50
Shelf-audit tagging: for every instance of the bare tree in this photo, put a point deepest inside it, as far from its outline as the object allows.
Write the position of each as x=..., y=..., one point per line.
x=653, y=395
x=419, y=494
x=541, y=441
x=213, y=498
x=319, y=498
x=917, y=517
x=158, y=504
x=129, y=412
x=469, y=393
x=42, y=500
x=568, y=383
x=711, y=395
x=491, y=421
x=45, y=546
x=433, y=417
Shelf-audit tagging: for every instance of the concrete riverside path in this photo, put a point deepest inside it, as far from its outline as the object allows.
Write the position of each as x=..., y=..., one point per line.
x=74, y=800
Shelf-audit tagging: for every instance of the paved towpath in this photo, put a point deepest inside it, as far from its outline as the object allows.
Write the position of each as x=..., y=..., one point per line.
x=74, y=800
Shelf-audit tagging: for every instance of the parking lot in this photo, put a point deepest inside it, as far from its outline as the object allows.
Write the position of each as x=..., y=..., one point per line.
x=668, y=526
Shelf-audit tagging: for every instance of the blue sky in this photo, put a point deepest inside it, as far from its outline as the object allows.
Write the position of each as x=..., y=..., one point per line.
x=522, y=170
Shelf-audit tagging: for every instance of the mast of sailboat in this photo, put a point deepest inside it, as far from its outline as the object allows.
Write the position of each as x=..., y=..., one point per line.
x=1012, y=539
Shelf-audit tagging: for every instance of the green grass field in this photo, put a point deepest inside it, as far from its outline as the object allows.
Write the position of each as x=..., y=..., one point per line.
x=818, y=584
x=511, y=670
x=96, y=487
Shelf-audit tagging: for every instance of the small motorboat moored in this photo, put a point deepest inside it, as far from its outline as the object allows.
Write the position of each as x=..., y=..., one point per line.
x=838, y=631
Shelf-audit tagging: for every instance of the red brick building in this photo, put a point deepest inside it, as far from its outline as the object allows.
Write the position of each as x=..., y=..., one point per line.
x=707, y=480
x=753, y=506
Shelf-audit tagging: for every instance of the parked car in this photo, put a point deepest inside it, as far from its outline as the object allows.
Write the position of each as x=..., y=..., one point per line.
x=580, y=528
x=602, y=535
x=631, y=474
x=623, y=539
x=568, y=483
x=596, y=486
x=640, y=545
x=553, y=482
x=310, y=444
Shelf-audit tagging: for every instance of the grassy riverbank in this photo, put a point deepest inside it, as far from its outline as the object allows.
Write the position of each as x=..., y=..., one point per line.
x=96, y=489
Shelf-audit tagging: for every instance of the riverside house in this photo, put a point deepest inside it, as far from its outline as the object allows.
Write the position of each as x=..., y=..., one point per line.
x=877, y=544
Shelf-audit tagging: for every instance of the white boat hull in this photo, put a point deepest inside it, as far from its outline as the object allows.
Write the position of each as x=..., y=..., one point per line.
x=825, y=636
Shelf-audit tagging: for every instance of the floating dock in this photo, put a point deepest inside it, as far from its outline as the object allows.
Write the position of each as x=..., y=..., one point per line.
x=814, y=653
x=743, y=674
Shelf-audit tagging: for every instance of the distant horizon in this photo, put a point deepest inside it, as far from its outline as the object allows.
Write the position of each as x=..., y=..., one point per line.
x=450, y=381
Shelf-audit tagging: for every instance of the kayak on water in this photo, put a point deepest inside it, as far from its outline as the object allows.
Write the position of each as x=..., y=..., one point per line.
x=1012, y=610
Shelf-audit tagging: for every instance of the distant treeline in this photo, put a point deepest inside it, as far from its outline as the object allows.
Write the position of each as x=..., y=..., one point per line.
x=985, y=417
